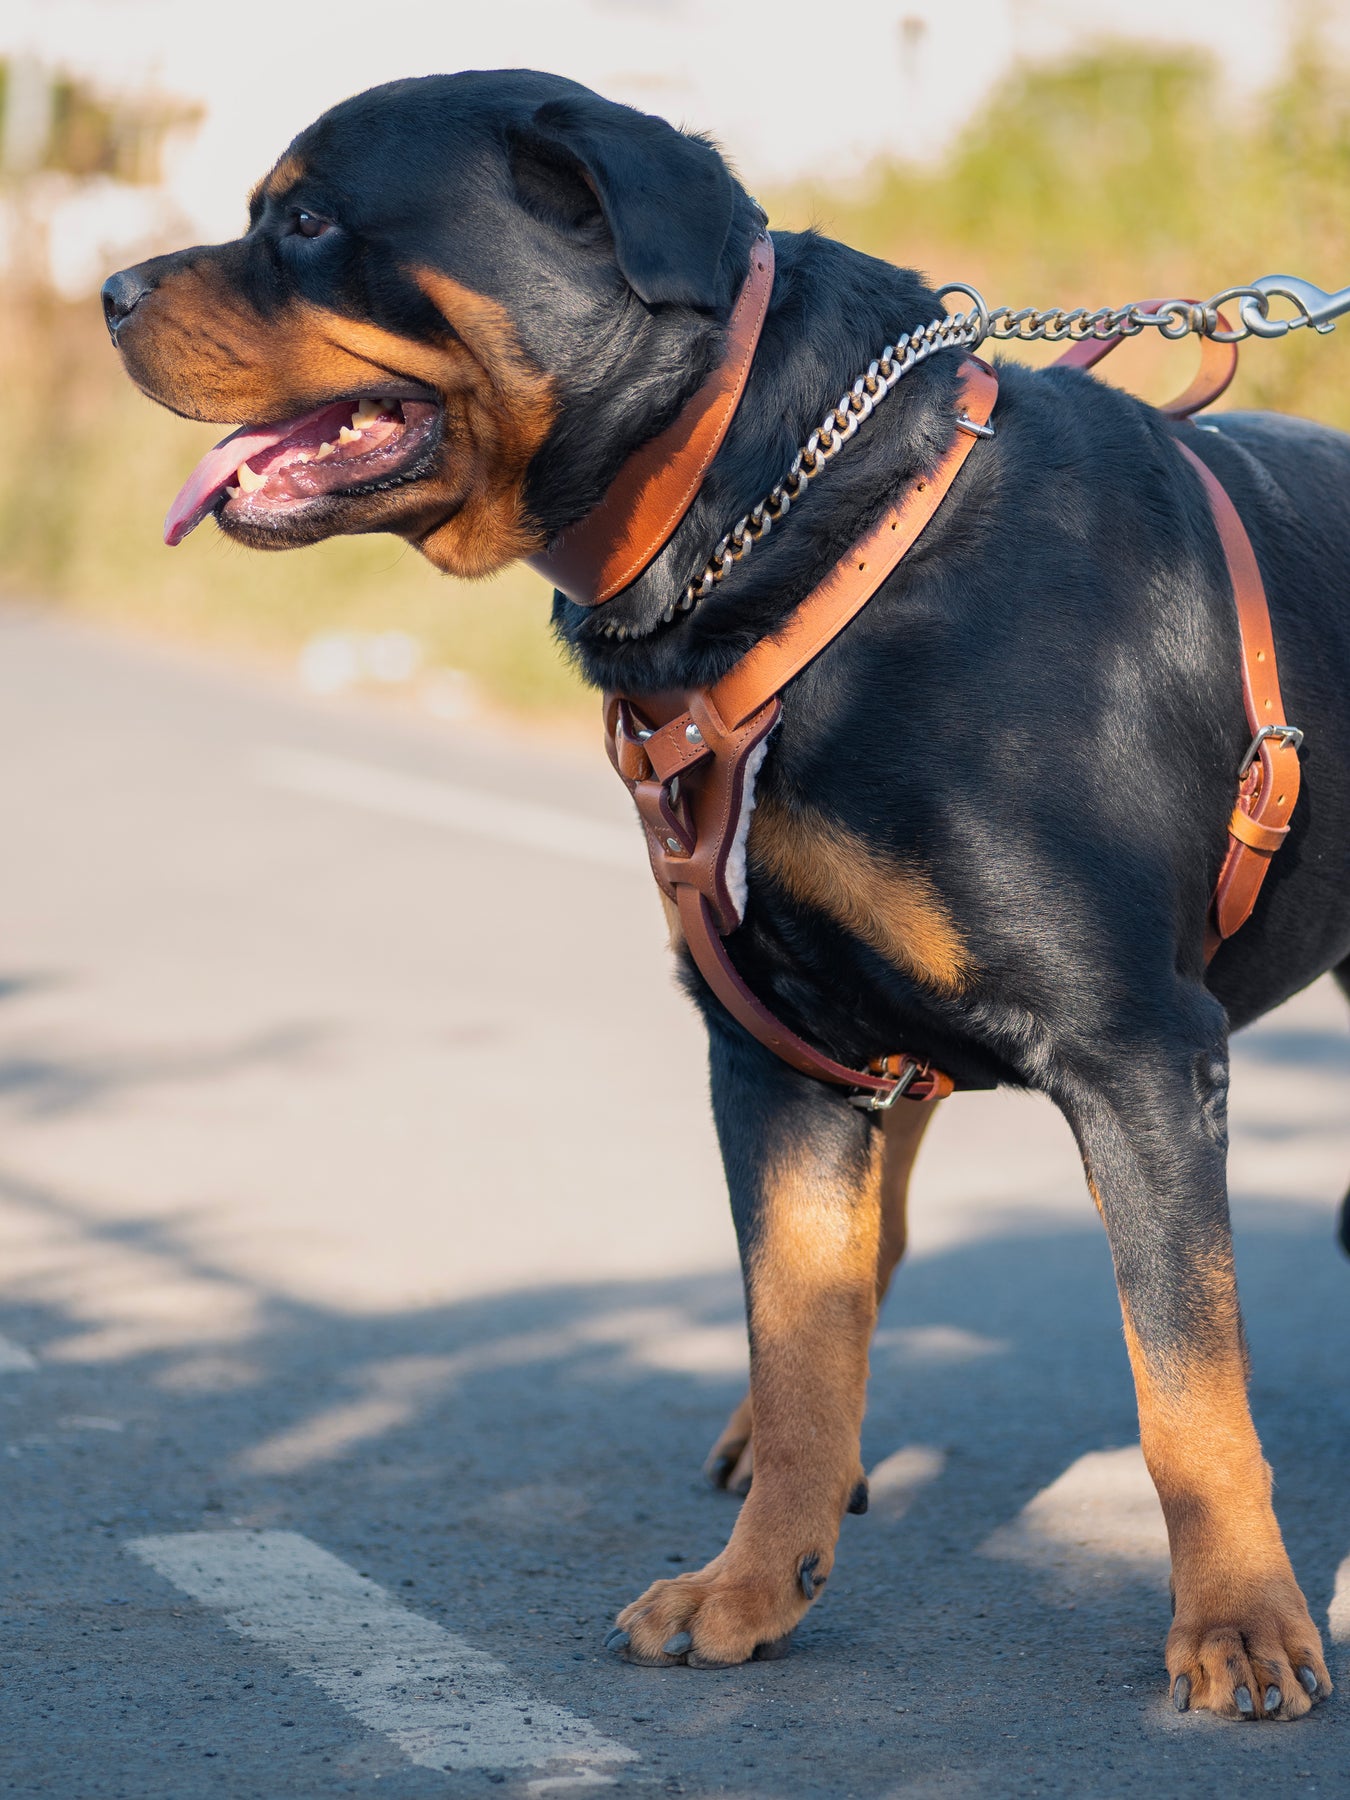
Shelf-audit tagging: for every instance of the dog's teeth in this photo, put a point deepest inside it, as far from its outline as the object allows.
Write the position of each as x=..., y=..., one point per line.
x=324, y=450
x=247, y=480
x=367, y=412
x=303, y=456
x=232, y=493
x=347, y=435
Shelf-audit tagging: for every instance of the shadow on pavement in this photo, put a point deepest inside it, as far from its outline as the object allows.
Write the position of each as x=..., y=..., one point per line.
x=520, y=1466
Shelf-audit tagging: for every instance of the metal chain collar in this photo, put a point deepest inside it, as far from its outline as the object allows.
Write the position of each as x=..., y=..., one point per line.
x=967, y=331
x=839, y=426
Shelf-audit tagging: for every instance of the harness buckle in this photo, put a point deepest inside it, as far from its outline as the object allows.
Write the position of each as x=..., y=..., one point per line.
x=874, y=1102
x=1287, y=734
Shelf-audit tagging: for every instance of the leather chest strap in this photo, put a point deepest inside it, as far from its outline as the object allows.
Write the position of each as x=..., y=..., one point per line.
x=1269, y=777
x=609, y=548
x=769, y=665
x=684, y=758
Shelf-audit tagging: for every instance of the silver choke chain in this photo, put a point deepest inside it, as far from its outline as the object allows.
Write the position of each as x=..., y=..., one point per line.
x=967, y=331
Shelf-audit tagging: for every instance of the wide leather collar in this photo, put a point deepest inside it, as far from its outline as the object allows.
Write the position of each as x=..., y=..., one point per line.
x=607, y=549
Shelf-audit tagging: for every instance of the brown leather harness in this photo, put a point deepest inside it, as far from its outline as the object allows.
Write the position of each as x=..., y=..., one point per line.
x=688, y=759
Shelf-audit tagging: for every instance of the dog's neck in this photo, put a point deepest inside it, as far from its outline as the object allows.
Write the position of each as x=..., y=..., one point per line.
x=832, y=312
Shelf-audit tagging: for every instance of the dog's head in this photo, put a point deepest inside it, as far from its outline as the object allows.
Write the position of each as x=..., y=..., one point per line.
x=460, y=302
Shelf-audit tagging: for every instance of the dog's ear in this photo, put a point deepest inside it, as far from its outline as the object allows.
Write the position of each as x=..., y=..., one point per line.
x=666, y=197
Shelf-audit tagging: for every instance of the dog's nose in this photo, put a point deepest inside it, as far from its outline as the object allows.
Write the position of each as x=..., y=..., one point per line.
x=122, y=294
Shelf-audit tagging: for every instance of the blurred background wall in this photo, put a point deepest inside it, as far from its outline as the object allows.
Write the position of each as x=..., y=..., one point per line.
x=998, y=141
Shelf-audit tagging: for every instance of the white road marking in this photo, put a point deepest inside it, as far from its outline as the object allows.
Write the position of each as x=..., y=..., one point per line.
x=523, y=824
x=14, y=1359
x=1338, y=1613
x=445, y=1704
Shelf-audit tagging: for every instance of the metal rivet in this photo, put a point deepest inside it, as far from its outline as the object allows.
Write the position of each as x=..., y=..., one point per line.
x=693, y=733
x=673, y=843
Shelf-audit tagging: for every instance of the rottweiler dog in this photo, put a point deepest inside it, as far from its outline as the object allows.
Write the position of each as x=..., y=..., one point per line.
x=991, y=816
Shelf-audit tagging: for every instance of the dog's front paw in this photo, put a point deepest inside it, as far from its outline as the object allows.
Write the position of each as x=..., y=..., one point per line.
x=1252, y=1655
x=719, y=1615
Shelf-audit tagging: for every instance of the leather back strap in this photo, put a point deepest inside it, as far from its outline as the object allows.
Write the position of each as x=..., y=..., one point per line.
x=1218, y=364
x=1269, y=777
x=684, y=759
x=610, y=547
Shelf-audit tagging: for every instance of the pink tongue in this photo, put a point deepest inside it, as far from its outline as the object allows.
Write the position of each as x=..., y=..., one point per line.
x=215, y=472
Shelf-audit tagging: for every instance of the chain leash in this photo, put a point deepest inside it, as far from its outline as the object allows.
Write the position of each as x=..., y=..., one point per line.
x=1174, y=319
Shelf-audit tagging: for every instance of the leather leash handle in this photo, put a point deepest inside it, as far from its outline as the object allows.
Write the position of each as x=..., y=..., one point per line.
x=1218, y=364
x=1270, y=776
x=612, y=544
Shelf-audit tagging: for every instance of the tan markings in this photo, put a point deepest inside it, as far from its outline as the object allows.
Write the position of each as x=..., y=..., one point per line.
x=288, y=173
x=731, y=1461
x=895, y=910
x=903, y=1129
x=1241, y=1619
x=812, y=1278
x=507, y=412
x=674, y=929
x=199, y=348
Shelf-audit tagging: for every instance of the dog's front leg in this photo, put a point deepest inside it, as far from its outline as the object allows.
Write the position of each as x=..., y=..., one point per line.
x=1152, y=1127
x=803, y=1168
x=731, y=1461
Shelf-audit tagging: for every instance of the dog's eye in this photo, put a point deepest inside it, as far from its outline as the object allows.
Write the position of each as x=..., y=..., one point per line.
x=310, y=225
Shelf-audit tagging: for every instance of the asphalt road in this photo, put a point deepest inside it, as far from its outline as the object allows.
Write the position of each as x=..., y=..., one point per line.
x=369, y=1303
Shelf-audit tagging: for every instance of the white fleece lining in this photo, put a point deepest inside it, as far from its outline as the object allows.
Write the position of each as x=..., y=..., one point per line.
x=738, y=881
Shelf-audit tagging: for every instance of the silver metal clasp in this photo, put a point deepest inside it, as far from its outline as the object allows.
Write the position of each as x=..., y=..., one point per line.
x=967, y=424
x=874, y=1102
x=1316, y=307
x=1288, y=734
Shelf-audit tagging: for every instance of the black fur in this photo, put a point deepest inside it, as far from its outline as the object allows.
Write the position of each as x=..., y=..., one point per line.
x=1040, y=709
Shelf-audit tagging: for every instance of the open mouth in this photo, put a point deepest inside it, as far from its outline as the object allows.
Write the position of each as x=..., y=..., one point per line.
x=262, y=474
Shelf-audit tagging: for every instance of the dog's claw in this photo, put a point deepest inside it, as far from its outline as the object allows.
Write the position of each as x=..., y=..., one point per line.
x=775, y=1650
x=617, y=1639
x=1181, y=1693
x=677, y=1645
x=1242, y=1699
x=1273, y=1698
x=857, y=1500
x=1308, y=1679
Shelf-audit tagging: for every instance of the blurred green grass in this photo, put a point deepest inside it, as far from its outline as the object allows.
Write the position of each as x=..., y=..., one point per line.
x=1124, y=173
